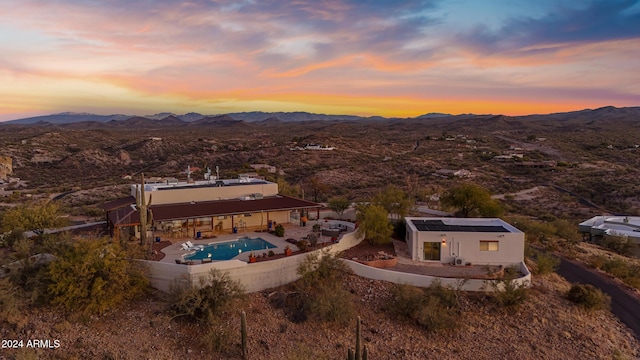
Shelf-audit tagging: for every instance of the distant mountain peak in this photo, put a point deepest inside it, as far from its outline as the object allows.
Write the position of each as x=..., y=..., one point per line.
x=434, y=115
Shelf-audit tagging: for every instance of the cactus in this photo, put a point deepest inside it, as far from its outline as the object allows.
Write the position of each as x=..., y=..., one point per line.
x=358, y=357
x=145, y=213
x=359, y=354
x=243, y=330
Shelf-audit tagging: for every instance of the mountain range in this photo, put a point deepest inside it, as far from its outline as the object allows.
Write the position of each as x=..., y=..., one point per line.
x=231, y=119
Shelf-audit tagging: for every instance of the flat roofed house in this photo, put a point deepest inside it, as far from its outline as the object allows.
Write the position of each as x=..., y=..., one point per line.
x=183, y=209
x=598, y=227
x=460, y=241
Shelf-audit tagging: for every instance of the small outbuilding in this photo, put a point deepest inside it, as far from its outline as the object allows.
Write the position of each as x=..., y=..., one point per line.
x=463, y=241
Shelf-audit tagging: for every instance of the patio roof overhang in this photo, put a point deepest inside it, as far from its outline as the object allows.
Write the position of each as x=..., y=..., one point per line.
x=128, y=215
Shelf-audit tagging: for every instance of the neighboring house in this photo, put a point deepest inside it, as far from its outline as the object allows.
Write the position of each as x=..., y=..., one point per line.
x=462, y=173
x=461, y=241
x=597, y=227
x=216, y=205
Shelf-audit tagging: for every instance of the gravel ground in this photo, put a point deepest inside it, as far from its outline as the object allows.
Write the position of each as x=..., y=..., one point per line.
x=546, y=326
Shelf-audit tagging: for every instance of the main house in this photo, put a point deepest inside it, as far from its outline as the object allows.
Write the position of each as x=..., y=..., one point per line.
x=461, y=241
x=179, y=209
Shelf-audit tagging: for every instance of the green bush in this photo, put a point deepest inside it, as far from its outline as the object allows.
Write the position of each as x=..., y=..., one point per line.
x=302, y=245
x=208, y=299
x=597, y=261
x=547, y=263
x=11, y=303
x=93, y=276
x=507, y=292
x=589, y=297
x=320, y=293
x=279, y=230
x=619, y=244
x=628, y=273
x=435, y=308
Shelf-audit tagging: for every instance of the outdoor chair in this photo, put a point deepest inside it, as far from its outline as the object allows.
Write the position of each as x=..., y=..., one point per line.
x=190, y=246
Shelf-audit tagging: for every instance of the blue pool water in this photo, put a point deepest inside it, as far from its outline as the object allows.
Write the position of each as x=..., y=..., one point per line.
x=231, y=249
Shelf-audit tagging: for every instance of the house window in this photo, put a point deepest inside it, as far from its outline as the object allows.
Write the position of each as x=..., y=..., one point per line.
x=488, y=245
x=221, y=217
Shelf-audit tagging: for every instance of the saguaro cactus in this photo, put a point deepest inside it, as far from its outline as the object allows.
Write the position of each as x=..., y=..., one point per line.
x=359, y=354
x=144, y=212
x=243, y=331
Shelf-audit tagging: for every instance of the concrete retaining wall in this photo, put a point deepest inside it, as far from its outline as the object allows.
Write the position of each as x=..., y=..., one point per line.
x=425, y=281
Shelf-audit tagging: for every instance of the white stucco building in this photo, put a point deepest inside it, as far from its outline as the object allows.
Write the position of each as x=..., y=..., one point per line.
x=599, y=226
x=461, y=241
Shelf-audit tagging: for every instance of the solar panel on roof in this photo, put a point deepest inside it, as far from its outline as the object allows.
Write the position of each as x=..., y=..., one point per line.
x=439, y=225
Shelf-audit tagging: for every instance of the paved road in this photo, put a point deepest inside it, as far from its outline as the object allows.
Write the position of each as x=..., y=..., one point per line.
x=624, y=305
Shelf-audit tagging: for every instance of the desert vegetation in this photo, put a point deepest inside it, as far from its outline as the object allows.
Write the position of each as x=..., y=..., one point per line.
x=82, y=165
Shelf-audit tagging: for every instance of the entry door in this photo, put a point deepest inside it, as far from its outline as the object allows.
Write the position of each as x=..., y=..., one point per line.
x=432, y=251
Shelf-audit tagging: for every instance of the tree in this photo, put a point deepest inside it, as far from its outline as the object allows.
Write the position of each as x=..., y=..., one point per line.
x=339, y=205
x=32, y=217
x=394, y=201
x=285, y=188
x=470, y=199
x=93, y=276
x=317, y=187
x=375, y=225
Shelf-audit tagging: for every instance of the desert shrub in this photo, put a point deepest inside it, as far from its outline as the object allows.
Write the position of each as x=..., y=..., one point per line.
x=34, y=280
x=628, y=273
x=304, y=352
x=279, y=230
x=10, y=237
x=22, y=247
x=320, y=293
x=619, y=244
x=92, y=276
x=507, y=292
x=11, y=303
x=547, y=263
x=597, y=261
x=313, y=239
x=588, y=297
x=435, y=308
x=216, y=340
x=566, y=230
x=302, y=245
x=208, y=299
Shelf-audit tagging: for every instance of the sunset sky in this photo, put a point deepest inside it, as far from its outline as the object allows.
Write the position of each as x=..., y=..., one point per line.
x=375, y=57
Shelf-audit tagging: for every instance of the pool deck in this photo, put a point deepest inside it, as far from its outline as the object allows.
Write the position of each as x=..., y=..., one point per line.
x=175, y=251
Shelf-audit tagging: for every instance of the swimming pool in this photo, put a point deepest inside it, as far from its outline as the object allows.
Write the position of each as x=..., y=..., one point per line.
x=229, y=250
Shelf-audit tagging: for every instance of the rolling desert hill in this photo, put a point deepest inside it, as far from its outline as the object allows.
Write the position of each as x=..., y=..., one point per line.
x=594, y=154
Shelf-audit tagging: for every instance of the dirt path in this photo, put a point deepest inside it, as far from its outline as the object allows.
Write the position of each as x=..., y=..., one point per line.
x=527, y=194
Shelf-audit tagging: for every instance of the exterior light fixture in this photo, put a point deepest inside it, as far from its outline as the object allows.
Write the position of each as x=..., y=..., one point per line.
x=444, y=240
